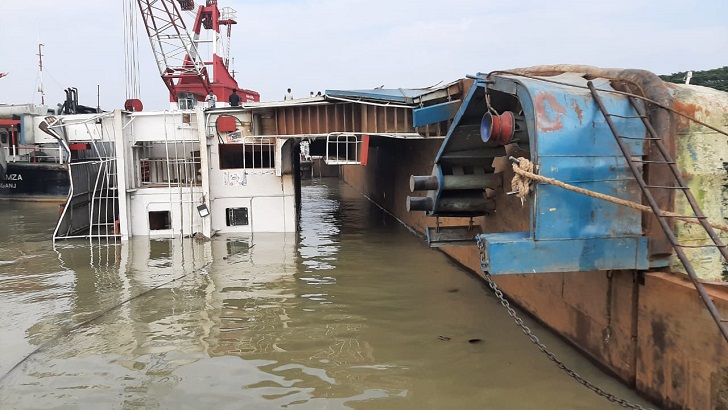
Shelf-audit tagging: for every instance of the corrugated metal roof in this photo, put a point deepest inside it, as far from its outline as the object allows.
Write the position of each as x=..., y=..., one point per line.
x=404, y=97
x=393, y=95
x=399, y=95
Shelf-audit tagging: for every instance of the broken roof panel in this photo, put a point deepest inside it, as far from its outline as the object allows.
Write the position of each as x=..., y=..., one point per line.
x=390, y=95
x=399, y=95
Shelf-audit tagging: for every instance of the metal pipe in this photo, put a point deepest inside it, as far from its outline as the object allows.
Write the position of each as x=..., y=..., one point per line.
x=456, y=182
x=473, y=204
x=424, y=183
x=452, y=182
x=420, y=203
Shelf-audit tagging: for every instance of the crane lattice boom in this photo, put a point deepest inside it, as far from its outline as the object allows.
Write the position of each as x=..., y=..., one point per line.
x=180, y=65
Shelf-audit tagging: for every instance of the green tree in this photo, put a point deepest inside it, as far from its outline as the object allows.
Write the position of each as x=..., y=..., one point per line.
x=716, y=78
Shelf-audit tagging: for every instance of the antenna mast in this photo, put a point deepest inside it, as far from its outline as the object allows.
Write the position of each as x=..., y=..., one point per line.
x=40, y=65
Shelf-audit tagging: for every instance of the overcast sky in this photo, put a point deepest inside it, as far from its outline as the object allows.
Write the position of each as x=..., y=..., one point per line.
x=314, y=45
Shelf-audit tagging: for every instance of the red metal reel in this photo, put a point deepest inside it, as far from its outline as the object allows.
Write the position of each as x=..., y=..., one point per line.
x=133, y=104
x=497, y=128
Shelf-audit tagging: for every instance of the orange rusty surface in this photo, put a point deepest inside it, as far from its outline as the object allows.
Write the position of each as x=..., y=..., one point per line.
x=691, y=110
x=545, y=119
x=682, y=350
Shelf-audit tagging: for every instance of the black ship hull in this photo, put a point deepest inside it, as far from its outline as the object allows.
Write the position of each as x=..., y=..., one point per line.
x=34, y=182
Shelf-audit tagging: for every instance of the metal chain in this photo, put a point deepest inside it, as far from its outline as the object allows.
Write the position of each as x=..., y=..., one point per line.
x=542, y=347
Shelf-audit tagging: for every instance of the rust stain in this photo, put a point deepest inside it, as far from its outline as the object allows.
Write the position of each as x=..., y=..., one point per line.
x=548, y=120
x=691, y=110
x=579, y=112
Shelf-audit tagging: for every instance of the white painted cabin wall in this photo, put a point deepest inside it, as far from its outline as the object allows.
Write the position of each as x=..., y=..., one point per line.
x=182, y=205
x=163, y=126
x=269, y=194
x=270, y=201
x=180, y=137
x=270, y=198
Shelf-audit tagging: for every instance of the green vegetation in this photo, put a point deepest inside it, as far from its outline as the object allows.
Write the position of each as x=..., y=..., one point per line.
x=716, y=78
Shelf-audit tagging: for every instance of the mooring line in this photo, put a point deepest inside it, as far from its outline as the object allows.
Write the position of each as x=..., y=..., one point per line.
x=524, y=175
x=65, y=332
x=419, y=235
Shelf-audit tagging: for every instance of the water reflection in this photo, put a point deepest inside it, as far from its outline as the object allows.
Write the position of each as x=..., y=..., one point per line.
x=319, y=230
x=352, y=312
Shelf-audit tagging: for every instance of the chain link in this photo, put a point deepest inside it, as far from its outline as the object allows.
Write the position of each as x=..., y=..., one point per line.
x=542, y=347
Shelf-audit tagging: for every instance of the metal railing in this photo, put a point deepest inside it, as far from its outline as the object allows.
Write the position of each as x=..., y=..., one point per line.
x=33, y=154
x=177, y=172
x=343, y=149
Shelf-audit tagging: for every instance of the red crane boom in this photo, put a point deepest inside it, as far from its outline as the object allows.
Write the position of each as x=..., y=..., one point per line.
x=181, y=67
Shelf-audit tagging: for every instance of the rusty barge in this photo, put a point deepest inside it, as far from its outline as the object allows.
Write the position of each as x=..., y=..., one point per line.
x=606, y=277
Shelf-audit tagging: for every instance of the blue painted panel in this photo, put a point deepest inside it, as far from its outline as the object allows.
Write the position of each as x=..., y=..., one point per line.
x=580, y=129
x=564, y=120
x=512, y=254
x=570, y=141
x=435, y=113
x=576, y=169
x=467, y=101
x=562, y=214
x=437, y=170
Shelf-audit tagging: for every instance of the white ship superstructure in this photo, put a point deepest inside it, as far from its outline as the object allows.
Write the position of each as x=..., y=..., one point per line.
x=170, y=173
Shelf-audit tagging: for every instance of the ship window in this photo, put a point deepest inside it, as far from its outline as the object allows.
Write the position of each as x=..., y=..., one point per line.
x=159, y=220
x=186, y=101
x=247, y=156
x=4, y=137
x=236, y=216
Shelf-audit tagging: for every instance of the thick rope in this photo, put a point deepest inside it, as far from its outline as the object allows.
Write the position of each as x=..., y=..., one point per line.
x=524, y=175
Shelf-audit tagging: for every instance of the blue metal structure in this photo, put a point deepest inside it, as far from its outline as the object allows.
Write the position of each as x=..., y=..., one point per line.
x=560, y=127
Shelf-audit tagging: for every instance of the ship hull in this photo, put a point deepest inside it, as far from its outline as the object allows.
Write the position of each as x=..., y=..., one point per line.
x=34, y=182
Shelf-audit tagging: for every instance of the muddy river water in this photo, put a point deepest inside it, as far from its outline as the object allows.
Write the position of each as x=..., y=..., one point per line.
x=352, y=312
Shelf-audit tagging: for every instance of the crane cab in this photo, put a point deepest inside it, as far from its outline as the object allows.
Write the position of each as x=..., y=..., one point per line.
x=186, y=100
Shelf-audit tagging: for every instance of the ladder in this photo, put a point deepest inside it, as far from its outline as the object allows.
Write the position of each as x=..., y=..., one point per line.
x=681, y=186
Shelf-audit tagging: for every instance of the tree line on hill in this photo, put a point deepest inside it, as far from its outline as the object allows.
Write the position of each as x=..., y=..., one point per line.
x=716, y=78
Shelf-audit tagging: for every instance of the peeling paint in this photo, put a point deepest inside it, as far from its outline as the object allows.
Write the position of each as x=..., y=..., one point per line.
x=549, y=112
x=577, y=109
x=702, y=157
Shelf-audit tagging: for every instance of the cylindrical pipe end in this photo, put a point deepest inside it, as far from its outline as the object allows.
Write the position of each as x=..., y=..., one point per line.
x=423, y=183
x=419, y=203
